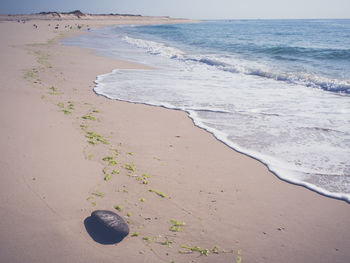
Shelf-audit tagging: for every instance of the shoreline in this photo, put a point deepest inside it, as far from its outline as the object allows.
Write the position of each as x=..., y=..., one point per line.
x=285, y=174
x=307, y=186
x=225, y=198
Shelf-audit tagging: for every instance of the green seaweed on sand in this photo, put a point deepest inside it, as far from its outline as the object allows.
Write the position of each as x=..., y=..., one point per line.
x=215, y=250
x=239, y=257
x=115, y=171
x=93, y=135
x=130, y=153
x=177, y=223
x=130, y=167
x=167, y=242
x=115, y=150
x=135, y=234
x=91, y=142
x=112, y=163
x=70, y=105
x=128, y=214
x=204, y=251
x=66, y=112
x=158, y=193
x=145, y=175
x=107, y=158
x=118, y=207
x=54, y=91
x=107, y=177
x=88, y=117
x=189, y=249
x=176, y=229
x=142, y=200
x=104, y=141
x=94, y=203
x=60, y=104
x=99, y=194
x=147, y=239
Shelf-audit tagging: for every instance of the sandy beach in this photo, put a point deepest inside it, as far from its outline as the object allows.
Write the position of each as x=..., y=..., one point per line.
x=55, y=133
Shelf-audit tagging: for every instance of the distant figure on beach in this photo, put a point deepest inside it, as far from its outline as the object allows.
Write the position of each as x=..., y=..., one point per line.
x=35, y=25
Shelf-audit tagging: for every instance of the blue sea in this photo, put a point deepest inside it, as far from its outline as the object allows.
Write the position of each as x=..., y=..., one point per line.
x=276, y=90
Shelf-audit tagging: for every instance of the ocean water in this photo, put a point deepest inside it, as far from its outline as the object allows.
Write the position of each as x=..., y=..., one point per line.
x=276, y=90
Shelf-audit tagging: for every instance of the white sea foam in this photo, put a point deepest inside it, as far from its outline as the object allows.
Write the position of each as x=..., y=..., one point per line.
x=155, y=48
x=269, y=126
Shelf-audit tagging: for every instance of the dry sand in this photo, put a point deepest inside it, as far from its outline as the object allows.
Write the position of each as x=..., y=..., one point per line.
x=50, y=174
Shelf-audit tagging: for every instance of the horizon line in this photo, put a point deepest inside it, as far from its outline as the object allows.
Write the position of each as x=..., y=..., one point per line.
x=204, y=19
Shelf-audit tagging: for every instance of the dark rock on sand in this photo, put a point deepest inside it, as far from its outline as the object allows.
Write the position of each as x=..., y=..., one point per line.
x=112, y=221
x=106, y=227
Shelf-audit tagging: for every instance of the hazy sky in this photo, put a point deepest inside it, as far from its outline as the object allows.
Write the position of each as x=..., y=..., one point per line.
x=199, y=9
